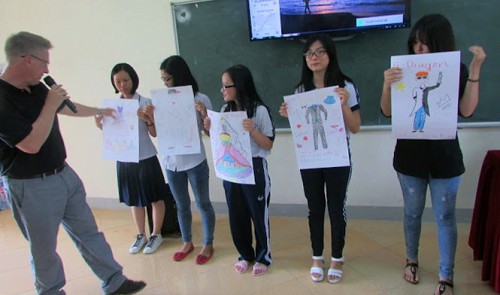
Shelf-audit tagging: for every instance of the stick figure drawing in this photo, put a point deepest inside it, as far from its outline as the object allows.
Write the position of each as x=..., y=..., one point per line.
x=420, y=94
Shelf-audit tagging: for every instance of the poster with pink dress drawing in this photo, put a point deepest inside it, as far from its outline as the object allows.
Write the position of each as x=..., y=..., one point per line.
x=231, y=150
x=175, y=120
x=425, y=101
x=121, y=134
x=318, y=129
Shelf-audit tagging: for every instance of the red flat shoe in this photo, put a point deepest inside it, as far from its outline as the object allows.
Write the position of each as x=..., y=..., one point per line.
x=202, y=259
x=179, y=256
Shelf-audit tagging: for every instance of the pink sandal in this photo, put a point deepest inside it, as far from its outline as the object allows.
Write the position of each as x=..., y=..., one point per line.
x=241, y=266
x=259, y=269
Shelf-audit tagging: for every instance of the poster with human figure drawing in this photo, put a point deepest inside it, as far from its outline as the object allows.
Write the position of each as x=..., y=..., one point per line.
x=231, y=150
x=175, y=121
x=425, y=101
x=121, y=134
x=318, y=129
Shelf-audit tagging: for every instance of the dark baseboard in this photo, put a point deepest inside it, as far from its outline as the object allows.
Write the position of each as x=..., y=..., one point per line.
x=354, y=212
x=300, y=210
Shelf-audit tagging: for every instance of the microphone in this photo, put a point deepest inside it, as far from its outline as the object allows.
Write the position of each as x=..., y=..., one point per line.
x=50, y=82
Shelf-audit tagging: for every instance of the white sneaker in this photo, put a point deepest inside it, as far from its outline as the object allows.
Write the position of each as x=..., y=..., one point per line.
x=153, y=244
x=140, y=241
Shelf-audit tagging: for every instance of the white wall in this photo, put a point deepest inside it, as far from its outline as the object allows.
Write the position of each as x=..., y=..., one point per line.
x=373, y=181
x=91, y=36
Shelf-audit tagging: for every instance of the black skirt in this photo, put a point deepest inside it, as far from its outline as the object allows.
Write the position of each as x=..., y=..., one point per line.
x=140, y=184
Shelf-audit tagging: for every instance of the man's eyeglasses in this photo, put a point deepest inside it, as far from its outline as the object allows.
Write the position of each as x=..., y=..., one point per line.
x=38, y=58
x=167, y=79
x=318, y=53
x=224, y=87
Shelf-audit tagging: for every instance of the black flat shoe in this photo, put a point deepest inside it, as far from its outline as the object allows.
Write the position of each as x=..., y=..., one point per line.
x=129, y=287
x=442, y=285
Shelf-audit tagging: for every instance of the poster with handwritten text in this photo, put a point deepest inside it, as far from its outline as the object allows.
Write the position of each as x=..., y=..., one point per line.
x=425, y=101
x=175, y=120
x=318, y=129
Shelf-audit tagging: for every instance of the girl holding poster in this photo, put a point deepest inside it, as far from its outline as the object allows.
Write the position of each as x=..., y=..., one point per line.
x=320, y=68
x=192, y=167
x=436, y=164
x=140, y=184
x=249, y=202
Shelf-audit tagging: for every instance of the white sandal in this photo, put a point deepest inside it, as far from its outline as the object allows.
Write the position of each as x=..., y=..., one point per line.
x=317, y=273
x=336, y=273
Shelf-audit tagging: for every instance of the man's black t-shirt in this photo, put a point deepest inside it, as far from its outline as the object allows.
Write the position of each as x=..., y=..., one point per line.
x=18, y=110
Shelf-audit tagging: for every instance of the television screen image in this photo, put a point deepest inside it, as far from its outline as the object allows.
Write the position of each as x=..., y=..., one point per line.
x=274, y=19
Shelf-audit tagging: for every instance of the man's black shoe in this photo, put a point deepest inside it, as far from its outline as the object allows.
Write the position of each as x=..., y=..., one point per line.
x=129, y=287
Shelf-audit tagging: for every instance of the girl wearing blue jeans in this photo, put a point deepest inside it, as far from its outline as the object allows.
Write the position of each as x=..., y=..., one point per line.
x=434, y=163
x=193, y=168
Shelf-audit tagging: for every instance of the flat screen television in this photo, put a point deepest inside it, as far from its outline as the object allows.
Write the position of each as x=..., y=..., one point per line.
x=276, y=19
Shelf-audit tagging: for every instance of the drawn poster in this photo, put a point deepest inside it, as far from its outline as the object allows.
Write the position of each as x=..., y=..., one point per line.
x=175, y=120
x=121, y=134
x=425, y=101
x=318, y=129
x=231, y=151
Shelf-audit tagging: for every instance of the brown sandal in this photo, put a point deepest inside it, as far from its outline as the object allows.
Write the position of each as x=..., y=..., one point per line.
x=442, y=286
x=413, y=269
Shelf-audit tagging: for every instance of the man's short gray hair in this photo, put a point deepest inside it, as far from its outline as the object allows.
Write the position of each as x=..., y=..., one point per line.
x=24, y=43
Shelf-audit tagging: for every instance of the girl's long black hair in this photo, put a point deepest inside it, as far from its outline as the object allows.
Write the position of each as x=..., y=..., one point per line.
x=177, y=67
x=435, y=31
x=247, y=96
x=334, y=75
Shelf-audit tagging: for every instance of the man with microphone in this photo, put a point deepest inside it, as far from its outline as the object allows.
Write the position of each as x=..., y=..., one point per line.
x=44, y=191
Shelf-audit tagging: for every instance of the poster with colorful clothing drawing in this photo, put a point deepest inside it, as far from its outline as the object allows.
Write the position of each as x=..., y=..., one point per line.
x=231, y=150
x=318, y=129
x=425, y=101
x=121, y=134
x=175, y=121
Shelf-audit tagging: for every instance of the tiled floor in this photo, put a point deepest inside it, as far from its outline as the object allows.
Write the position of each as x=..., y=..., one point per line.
x=374, y=259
